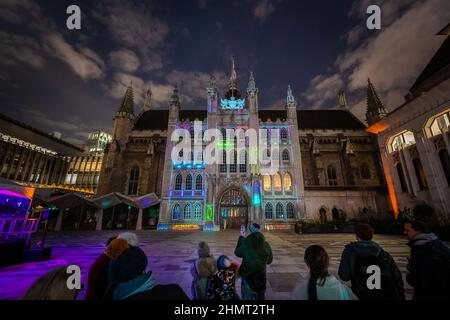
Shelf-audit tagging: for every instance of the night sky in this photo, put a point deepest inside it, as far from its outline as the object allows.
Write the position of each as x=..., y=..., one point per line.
x=72, y=81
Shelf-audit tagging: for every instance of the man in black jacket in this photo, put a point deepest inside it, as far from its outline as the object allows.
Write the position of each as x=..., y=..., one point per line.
x=429, y=264
x=356, y=259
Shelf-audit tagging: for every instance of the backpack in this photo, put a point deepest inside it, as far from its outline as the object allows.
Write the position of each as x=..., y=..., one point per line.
x=389, y=285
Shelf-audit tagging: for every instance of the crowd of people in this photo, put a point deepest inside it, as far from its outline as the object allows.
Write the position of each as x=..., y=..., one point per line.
x=120, y=272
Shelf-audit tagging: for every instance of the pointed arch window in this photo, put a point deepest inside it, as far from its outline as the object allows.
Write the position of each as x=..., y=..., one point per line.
x=284, y=135
x=267, y=184
x=287, y=183
x=223, y=165
x=176, y=212
x=133, y=181
x=243, y=162
x=178, y=182
x=277, y=182
x=279, y=211
x=199, y=183
x=420, y=174
x=233, y=161
x=188, y=183
x=290, y=210
x=197, y=212
x=285, y=156
x=269, y=211
x=332, y=176
x=187, y=212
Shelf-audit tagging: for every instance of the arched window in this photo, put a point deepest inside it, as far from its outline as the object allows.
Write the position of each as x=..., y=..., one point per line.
x=199, y=157
x=188, y=183
x=243, y=162
x=277, y=182
x=176, y=212
x=187, y=212
x=285, y=156
x=133, y=181
x=290, y=210
x=287, y=181
x=332, y=177
x=198, y=183
x=279, y=211
x=420, y=174
x=269, y=211
x=267, y=184
x=365, y=171
x=445, y=162
x=197, y=212
x=178, y=182
x=284, y=135
x=401, y=177
x=191, y=157
x=223, y=165
x=233, y=161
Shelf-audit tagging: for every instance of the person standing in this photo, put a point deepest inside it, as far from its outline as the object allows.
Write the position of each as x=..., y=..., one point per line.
x=355, y=261
x=202, y=270
x=222, y=285
x=256, y=254
x=320, y=285
x=429, y=264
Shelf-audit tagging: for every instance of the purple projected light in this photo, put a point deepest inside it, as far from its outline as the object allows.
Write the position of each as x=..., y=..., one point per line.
x=12, y=194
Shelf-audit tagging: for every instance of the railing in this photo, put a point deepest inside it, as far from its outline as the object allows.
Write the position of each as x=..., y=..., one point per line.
x=18, y=228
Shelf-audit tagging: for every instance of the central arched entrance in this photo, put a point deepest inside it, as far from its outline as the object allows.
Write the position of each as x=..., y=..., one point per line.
x=233, y=209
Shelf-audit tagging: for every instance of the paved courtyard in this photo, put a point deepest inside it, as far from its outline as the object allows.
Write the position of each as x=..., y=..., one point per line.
x=170, y=254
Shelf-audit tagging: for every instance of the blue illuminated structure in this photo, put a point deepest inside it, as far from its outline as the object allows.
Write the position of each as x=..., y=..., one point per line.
x=232, y=103
x=256, y=198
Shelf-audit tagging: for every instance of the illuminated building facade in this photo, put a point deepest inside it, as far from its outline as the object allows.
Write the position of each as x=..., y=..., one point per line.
x=414, y=139
x=329, y=164
x=97, y=142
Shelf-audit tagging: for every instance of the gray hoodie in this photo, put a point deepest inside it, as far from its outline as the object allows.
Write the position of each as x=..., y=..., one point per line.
x=351, y=252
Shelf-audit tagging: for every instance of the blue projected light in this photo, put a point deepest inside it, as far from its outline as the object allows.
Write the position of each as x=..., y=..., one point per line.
x=232, y=103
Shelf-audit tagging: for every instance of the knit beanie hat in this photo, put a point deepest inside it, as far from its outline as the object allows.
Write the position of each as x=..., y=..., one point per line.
x=254, y=227
x=116, y=248
x=223, y=262
x=203, y=249
x=129, y=265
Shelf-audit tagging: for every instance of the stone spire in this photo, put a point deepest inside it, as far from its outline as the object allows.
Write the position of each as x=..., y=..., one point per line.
x=342, y=100
x=252, y=90
x=375, y=108
x=127, y=105
x=212, y=89
x=290, y=98
x=175, y=98
x=232, y=85
x=148, y=99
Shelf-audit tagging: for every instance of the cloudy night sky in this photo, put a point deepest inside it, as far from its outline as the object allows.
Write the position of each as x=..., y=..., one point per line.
x=72, y=81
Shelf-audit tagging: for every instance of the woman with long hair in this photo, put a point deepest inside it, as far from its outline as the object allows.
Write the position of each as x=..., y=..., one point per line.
x=321, y=285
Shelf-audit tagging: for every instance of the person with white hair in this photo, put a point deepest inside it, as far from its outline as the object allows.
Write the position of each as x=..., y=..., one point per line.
x=131, y=238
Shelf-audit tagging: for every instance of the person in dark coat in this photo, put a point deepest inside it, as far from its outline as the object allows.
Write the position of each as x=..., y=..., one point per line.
x=222, y=285
x=429, y=264
x=256, y=254
x=130, y=281
x=358, y=256
x=98, y=275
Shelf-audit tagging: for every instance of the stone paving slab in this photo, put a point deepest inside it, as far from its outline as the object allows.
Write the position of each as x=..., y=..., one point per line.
x=170, y=254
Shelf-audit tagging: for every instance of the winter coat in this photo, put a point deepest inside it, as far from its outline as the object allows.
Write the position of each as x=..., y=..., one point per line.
x=202, y=269
x=364, y=249
x=429, y=267
x=222, y=285
x=98, y=278
x=332, y=289
x=145, y=287
x=256, y=254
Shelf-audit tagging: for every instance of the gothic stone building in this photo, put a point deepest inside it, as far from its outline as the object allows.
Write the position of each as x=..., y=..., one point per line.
x=329, y=164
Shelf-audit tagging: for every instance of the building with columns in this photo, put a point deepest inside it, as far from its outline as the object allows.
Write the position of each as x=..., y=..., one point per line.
x=329, y=163
x=414, y=139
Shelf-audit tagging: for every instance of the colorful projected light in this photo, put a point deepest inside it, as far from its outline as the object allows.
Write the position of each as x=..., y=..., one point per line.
x=232, y=103
x=256, y=199
x=185, y=227
x=209, y=212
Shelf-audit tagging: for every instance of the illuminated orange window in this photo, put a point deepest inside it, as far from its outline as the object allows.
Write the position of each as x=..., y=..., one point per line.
x=267, y=184
x=277, y=182
x=287, y=183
